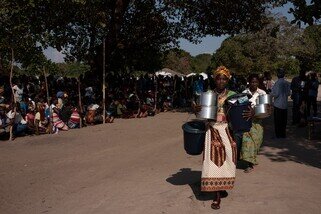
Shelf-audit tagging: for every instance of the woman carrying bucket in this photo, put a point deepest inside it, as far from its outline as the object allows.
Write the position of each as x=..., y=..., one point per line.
x=252, y=140
x=220, y=150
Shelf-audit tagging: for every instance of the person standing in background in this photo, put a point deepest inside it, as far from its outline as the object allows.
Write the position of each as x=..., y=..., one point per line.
x=280, y=91
x=299, y=96
x=313, y=86
x=268, y=82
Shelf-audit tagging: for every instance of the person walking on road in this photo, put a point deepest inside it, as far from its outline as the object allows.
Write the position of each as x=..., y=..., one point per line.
x=252, y=140
x=280, y=91
x=220, y=150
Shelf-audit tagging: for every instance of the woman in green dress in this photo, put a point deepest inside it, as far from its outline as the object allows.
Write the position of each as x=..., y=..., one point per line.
x=252, y=140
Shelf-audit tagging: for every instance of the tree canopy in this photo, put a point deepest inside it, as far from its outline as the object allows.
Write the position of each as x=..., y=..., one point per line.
x=278, y=44
x=272, y=47
x=137, y=33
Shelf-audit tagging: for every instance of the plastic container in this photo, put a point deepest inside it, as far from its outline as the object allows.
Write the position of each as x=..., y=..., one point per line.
x=235, y=113
x=194, y=137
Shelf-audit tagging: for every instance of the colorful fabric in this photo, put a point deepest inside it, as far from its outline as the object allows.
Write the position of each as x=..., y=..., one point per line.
x=219, y=161
x=222, y=70
x=251, y=143
x=220, y=153
x=75, y=118
x=57, y=122
x=221, y=116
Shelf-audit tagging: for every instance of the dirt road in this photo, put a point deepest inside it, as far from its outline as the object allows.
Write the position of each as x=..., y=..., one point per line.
x=139, y=166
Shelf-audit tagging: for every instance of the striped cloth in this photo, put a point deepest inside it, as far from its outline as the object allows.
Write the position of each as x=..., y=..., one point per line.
x=57, y=122
x=74, y=120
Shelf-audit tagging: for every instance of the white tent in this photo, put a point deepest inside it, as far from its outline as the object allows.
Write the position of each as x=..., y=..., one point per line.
x=168, y=72
x=201, y=74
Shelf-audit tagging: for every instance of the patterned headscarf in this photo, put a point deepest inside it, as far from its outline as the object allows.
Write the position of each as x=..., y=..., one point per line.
x=222, y=70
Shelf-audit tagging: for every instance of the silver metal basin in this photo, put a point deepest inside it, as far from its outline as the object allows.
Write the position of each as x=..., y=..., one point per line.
x=207, y=112
x=208, y=98
x=264, y=99
x=261, y=111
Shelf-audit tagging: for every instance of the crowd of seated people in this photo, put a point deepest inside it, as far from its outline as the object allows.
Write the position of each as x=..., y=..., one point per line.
x=27, y=110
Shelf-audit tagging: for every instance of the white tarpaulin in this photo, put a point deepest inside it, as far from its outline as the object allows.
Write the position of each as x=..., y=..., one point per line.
x=204, y=75
x=168, y=72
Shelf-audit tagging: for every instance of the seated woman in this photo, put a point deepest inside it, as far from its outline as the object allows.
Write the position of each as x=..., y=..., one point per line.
x=40, y=121
x=30, y=118
x=132, y=106
x=93, y=115
x=17, y=121
x=111, y=112
x=121, y=110
x=148, y=107
x=58, y=124
x=150, y=104
x=3, y=121
x=143, y=110
x=74, y=120
x=167, y=105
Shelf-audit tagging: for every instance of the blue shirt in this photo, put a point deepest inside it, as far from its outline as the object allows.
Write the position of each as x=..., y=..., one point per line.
x=281, y=91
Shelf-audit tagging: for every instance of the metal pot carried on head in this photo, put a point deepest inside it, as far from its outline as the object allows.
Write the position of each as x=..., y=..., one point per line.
x=208, y=101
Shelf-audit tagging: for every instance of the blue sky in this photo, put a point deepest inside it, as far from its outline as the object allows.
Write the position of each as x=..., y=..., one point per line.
x=209, y=44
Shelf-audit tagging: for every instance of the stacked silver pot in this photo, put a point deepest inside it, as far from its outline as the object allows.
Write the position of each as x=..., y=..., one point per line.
x=208, y=101
x=262, y=107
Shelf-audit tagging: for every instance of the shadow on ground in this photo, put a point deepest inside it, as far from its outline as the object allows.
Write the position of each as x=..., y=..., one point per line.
x=186, y=176
x=296, y=147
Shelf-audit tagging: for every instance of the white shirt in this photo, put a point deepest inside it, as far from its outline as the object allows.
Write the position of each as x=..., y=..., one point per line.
x=257, y=93
x=17, y=93
x=280, y=91
x=18, y=118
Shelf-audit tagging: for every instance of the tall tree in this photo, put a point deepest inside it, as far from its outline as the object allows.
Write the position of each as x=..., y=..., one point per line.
x=308, y=52
x=178, y=60
x=266, y=50
x=17, y=33
x=201, y=62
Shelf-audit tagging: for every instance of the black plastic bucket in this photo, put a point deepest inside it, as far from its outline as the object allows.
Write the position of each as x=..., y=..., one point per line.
x=235, y=111
x=194, y=137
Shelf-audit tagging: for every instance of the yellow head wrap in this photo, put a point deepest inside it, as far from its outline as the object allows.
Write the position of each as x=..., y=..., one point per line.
x=222, y=70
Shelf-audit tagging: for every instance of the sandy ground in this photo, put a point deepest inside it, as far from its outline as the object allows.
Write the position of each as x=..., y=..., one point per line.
x=140, y=166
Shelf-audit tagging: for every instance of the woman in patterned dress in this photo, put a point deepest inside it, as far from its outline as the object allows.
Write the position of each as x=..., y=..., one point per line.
x=252, y=140
x=220, y=150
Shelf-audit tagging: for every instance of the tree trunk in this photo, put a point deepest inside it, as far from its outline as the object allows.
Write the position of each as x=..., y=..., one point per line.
x=14, y=98
x=48, y=101
x=104, y=82
x=79, y=102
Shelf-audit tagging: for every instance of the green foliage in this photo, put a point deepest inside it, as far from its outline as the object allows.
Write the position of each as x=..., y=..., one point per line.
x=178, y=60
x=138, y=34
x=264, y=51
x=309, y=50
x=74, y=69
x=17, y=33
x=201, y=62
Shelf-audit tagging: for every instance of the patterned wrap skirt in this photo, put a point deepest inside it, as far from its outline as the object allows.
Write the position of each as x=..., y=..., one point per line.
x=219, y=159
x=251, y=143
